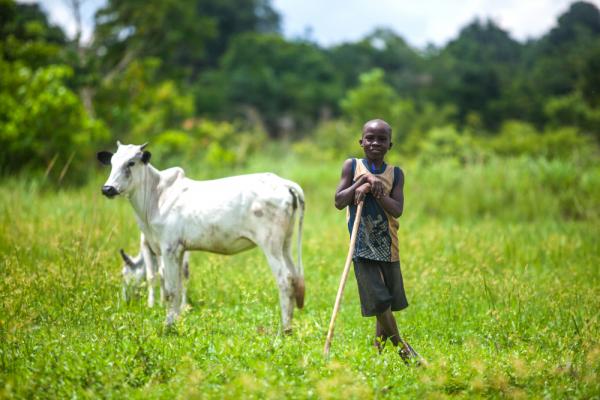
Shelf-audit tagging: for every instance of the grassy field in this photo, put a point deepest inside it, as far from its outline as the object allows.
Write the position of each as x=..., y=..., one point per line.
x=501, y=265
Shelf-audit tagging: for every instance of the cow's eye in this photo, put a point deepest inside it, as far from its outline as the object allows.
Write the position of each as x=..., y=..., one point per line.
x=131, y=163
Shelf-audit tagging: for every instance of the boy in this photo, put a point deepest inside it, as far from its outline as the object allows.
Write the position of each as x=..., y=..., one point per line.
x=376, y=261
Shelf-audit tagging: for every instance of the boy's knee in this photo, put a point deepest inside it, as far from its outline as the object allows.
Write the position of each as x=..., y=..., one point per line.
x=383, y=307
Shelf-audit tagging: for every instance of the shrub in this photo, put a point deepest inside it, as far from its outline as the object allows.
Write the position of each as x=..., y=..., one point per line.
x=208, y=145
x=518, y=138
x=43, y=125
x=446, y=143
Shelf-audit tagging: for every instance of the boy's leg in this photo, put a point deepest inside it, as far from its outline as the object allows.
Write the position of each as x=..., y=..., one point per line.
x=388, y=323
x=380, y=336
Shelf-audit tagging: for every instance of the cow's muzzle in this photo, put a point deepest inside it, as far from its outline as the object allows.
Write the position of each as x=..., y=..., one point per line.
x=109, y=191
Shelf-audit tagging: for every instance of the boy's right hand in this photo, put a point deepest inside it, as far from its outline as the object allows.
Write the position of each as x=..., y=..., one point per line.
x=361, y=192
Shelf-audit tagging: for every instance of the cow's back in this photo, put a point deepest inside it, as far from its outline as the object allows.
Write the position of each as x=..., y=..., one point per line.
x=231, y=214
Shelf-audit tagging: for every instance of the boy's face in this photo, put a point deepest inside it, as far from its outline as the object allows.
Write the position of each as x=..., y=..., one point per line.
x=375, y=142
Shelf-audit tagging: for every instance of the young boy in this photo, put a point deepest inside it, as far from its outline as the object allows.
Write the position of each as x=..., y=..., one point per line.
x=376, y=261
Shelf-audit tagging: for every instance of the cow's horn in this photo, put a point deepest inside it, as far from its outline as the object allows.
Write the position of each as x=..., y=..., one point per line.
x=143, y=146
x=126, y=258
x=119, y=143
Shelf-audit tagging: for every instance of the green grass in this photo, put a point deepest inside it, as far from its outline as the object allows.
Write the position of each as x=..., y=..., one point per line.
x=501, y=265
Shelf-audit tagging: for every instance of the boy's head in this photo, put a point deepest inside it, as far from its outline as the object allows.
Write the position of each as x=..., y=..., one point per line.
x=376, y=138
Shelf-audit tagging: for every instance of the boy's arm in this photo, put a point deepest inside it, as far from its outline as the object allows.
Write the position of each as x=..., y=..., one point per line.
x=345, y=192
x=394, y=203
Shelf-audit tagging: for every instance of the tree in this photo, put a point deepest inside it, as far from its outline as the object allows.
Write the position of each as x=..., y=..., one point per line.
x=479, y=67
x=42, y=122
x=138, y=107
x=27, y=36
x=187, y=36
x=562, y=59
x=372, y=98
x=288, y=83
x=383, y=49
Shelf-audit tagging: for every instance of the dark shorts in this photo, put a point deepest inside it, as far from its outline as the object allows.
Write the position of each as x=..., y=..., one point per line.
x=380, y=286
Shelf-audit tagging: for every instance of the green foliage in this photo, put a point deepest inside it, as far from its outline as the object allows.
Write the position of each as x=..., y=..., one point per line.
x=511, y=188
x=285, y=81
x=42, y=122
x=331, y=140
x=519, y=138
x=372, y=98
x=446, y=143
x=187, y=36
x=572, y=110
x=516, y=138
x=138, y=108
x=26, y=35
x=207, y=147
x=384, y=49
x=475, y=69
x=154, y=69
x=479, y=290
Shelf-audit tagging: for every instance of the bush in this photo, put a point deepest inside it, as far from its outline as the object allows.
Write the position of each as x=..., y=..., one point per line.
x=208, y=146
x=331, y=140
x=372, y=98
x=43, y=125
x=137, y=108
x=447, y=143
x=520, y=138
x=572, y=110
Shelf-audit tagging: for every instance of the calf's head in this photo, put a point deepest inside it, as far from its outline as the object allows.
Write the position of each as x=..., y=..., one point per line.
x=127, y=165
x=134, y=273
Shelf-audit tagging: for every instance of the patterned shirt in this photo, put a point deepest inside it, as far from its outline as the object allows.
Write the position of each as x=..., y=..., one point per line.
x=377, y=237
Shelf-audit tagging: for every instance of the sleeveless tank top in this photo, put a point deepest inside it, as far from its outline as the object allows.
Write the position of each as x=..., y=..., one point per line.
x=377, y=237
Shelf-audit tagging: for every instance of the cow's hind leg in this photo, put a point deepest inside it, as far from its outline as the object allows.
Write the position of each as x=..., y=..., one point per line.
x=296, y=270
x=285, y=283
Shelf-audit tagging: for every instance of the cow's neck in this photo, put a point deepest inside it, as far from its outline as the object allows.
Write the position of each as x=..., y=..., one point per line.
x=145, y=198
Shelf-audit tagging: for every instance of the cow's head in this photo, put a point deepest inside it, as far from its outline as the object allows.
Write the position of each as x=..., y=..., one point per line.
x=127, y=164
x=134, y=273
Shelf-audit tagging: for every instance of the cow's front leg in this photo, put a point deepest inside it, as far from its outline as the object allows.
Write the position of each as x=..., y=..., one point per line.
x=161, y=274
x=151, y=276
x=158, y=268
x=186, y=278
x=173, y=274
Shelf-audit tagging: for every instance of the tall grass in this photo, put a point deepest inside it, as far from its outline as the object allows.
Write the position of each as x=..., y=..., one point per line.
x=500, y=260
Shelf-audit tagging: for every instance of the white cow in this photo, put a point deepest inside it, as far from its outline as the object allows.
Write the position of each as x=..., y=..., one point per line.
x=136, y=270
x=223, y=216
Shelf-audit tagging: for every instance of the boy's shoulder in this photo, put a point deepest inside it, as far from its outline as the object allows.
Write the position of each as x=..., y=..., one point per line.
x=349, y=162
x=398, y=176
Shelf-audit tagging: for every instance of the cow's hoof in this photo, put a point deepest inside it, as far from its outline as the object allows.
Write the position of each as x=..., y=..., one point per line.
x=287, y=331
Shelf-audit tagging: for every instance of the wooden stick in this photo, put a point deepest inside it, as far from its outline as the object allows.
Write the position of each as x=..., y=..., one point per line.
x=340, y=292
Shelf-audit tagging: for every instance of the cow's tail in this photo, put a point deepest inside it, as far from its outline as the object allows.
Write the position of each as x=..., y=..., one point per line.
x=299, y=206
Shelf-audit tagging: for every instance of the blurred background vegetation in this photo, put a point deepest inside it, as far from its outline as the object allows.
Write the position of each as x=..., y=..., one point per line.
x=210, y=83
x=499, y=141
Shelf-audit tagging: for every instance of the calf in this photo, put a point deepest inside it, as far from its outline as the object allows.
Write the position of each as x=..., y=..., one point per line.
x=136, y=270
x=225, y=216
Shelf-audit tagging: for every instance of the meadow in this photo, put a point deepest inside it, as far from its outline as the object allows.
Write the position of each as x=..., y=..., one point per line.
x=500, y=259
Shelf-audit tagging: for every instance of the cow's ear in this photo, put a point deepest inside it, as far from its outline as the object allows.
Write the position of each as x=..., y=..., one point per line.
x=104, y=157
x=146, y=157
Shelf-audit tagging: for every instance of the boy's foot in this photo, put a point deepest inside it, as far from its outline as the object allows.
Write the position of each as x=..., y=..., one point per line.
x=405, y=355
x=410, y=356
x=379, y=344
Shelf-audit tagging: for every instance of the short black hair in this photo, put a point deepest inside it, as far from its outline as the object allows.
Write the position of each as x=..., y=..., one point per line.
x=380, y=124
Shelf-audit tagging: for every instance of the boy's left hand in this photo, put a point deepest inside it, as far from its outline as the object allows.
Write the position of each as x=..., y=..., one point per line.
x=377, y=188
